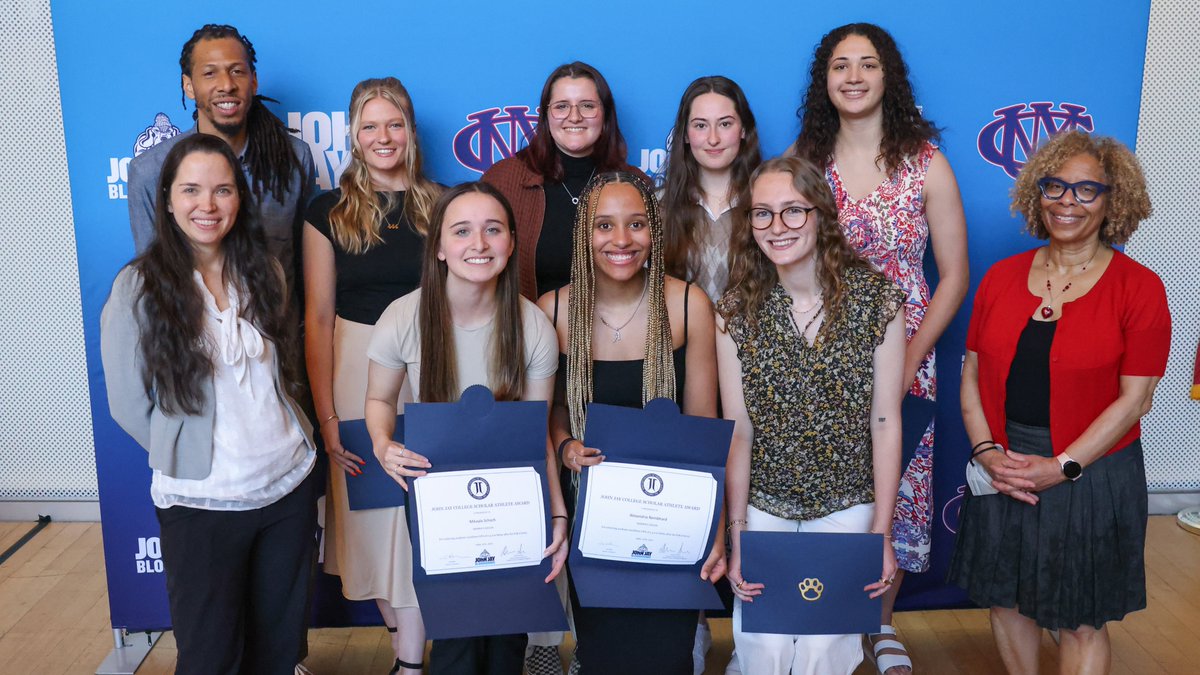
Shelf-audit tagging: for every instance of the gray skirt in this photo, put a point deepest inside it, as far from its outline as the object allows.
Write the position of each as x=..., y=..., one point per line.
x=1075, y=558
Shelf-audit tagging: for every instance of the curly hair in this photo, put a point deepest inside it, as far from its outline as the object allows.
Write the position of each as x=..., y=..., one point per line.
x=177, y=358
x=905, y=131
x=1128, y=201
x=682, y=214
x=753, y=275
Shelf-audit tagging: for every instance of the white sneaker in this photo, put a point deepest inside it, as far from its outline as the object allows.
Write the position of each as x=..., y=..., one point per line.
x=700, y=647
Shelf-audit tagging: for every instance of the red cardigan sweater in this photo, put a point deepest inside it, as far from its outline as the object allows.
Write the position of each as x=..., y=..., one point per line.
x=523, y=189
x=1120, y=327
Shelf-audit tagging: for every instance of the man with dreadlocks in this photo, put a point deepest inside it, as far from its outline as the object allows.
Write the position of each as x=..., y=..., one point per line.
x=218, y=70
x=217, y=65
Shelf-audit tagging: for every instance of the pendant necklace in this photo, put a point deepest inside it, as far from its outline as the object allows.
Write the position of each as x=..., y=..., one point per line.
x=574, y=199
x=1047, y=309
x=617, y=329
x=792, y=314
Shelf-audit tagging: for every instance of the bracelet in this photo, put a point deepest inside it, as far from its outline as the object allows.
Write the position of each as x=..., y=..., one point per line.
x=979, y=452
x=736, y=521
x=563, y=445
x=563, y=517
x=886, y=535
x=331, y=417
x=976, y=447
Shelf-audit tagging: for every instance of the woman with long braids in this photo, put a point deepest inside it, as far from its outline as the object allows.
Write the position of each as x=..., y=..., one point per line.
x=194, y=341
x=466, y=325
x=577, y=137
x=714, y=148
x=629, y=333
x=809, y=348
x=895, y=193
x=363, y=247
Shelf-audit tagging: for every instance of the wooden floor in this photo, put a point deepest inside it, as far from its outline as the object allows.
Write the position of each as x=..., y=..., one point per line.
x=54, y=617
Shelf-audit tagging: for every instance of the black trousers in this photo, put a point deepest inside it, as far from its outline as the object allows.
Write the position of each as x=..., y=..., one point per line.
x=238, y=583
x=494, y=655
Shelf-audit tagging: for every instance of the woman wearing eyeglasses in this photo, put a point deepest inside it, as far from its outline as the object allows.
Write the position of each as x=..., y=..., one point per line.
x=810, y=347
x=1066, y=345
x=543, y=182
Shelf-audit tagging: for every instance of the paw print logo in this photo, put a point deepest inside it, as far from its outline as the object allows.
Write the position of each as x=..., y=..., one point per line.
x=811, y=589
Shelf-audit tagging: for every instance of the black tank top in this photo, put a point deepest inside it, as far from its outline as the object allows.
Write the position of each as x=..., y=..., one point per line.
x=1027, y=390
x=620, y=382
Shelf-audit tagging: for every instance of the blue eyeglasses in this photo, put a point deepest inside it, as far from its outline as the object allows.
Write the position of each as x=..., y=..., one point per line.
x=1085, y=191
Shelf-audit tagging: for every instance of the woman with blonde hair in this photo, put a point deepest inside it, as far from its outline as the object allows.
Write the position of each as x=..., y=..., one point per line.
x=363, y=244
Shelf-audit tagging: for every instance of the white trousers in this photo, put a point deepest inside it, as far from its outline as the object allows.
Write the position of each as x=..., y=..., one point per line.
x=772, y=654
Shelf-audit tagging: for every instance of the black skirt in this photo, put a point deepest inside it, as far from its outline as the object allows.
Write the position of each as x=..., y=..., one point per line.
x=1075, y=558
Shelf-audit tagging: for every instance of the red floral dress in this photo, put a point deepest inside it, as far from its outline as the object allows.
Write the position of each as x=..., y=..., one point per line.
x=888, y=228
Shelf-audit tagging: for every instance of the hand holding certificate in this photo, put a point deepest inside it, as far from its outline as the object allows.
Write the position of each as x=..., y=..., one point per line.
x=647, y=514
x=480, y=519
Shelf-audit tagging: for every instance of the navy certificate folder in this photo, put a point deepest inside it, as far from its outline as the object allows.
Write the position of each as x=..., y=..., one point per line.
x=657, y=435
x=813, y=582
x=374, y=489
x=477, y=432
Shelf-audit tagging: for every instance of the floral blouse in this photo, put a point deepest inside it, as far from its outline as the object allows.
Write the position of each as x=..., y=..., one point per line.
x=810, y=405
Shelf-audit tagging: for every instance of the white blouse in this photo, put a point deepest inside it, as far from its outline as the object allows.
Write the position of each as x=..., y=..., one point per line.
x=260, y=453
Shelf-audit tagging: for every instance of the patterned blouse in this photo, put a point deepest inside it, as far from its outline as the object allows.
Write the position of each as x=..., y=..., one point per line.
x=810, y=406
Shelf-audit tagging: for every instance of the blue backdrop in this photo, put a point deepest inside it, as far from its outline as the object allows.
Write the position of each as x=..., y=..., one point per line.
x=996, y=78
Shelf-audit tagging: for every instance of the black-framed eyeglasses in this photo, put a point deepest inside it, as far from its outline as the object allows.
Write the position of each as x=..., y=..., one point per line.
x=793, y=217
x=562, y=110
x=1085, y=191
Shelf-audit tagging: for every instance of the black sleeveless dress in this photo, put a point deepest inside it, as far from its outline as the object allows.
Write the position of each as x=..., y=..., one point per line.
x=611, y=641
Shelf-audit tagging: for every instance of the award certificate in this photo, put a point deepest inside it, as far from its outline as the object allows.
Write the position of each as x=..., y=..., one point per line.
x=480, y=519
x=647, y=514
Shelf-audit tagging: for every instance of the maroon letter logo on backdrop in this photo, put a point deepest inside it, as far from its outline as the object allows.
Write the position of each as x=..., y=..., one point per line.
x=1011, y=138
x=492, y=136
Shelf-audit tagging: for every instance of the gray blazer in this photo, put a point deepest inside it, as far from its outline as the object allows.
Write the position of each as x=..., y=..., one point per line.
x=181, y=446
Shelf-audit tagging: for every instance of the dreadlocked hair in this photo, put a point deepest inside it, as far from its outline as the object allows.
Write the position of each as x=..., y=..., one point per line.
x=359, y=214
x=905, y=130
x=753, y=275
x=658, y=368
x=176, y=355
x=269, y=154
x=506, y=363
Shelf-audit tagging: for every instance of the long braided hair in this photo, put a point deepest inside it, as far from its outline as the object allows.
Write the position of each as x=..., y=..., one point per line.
x=269, y=153
x=359, y=214
x=658, y=368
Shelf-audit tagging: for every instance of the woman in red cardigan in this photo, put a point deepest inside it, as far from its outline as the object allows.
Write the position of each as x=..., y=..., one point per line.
x=1066, y=345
